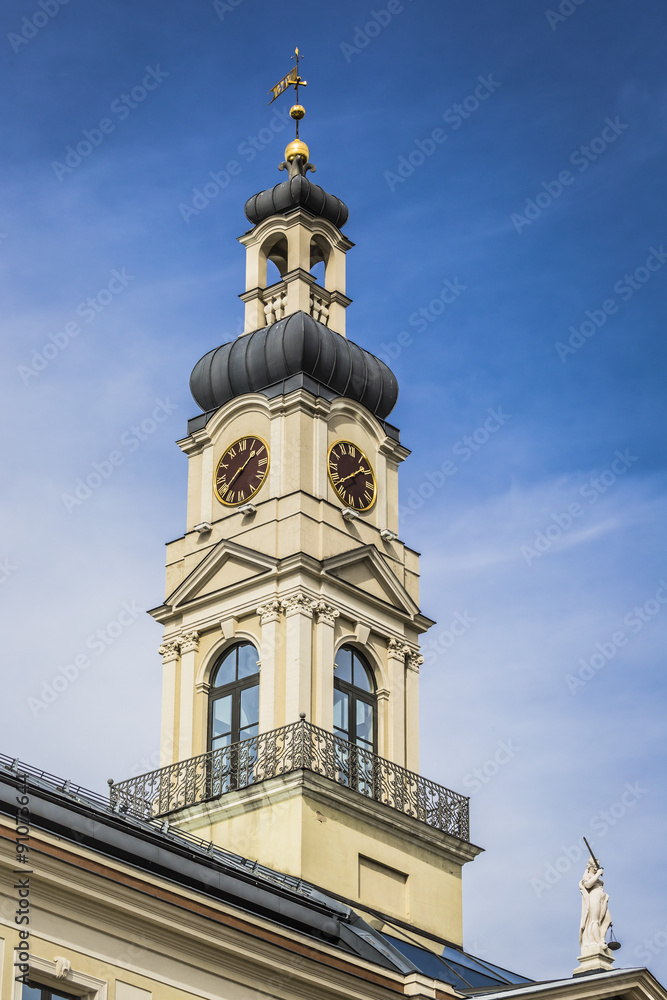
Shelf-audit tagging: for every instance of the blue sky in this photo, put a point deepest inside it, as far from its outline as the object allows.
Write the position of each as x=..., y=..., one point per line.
x=536, y=485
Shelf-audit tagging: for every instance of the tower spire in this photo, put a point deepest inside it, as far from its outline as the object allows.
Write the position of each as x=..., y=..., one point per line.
x=297, y=148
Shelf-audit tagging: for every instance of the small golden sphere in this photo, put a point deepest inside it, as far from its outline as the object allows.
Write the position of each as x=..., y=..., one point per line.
x=297, y=111
x=297, y=148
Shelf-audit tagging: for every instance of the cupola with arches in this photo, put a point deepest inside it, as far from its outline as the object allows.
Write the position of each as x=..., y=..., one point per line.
x=296, y=233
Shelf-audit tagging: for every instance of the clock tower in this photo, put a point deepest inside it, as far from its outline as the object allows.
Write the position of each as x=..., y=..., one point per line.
x=290, y=720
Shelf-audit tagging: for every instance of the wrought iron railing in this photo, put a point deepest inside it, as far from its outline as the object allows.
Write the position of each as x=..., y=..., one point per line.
x=299, y=746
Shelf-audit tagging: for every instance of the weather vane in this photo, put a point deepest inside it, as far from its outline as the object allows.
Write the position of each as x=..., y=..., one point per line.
x=297, y=111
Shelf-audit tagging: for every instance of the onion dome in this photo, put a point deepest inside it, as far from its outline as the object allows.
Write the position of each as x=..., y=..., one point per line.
x=295, y=345
x=297, y=192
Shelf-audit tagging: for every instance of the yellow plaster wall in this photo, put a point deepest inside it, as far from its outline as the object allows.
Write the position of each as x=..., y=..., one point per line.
x=311, y=836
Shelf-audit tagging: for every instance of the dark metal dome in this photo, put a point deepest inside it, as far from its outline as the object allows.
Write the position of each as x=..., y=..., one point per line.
x=295, y=345
x=296, y=192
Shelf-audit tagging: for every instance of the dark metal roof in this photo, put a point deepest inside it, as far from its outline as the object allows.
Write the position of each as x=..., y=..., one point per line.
x=454, y=966
x=297, y=192
x=87, y=819
x=294, y=345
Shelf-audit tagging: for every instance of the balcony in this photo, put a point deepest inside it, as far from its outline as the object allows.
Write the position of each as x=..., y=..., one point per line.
x=299, y=746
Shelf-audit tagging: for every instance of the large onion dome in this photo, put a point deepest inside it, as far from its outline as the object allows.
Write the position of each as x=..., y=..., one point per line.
x=293, y=346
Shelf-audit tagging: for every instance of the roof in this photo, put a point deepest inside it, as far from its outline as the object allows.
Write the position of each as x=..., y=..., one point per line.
x=454, y=966
x=86, y=818
x=297, y=192
x=631, y=984
x=295, y=345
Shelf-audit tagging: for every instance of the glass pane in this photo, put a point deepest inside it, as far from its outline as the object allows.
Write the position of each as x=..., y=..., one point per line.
x=226, y=672
x=364, y=723
x=249, y=732
x=221, y=741
x=222, y=716
x=361, y=675
x=341, y=711
x=343, y=671
x=248, y=658
x=31, y=992
x=249, y=706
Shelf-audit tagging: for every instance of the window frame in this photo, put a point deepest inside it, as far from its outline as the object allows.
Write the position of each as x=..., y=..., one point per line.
x=355, y=694
x=78, y=984
x=233, y=688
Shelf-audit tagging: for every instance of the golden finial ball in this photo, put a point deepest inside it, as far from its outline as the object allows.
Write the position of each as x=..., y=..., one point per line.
x=297, y=148
x=297, y=111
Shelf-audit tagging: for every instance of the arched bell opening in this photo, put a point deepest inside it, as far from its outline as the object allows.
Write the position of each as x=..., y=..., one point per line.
x=273, y=260
x=320, y=251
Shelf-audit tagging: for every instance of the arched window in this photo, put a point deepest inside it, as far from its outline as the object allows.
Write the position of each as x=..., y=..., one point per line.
x=355, y=702
x=234, y=697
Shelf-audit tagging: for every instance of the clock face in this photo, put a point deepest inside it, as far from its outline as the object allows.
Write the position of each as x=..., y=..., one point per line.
x=351, y=476
x=241, y=471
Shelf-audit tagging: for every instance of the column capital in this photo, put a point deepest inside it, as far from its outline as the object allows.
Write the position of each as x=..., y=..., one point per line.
x=326, y=613
x=415, y=660
x=397, y=649
x=270, y=612
x=189, y=641
x=170, y=650
x=299, y=604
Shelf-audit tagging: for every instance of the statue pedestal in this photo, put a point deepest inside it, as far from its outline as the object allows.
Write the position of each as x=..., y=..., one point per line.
x=594, y=960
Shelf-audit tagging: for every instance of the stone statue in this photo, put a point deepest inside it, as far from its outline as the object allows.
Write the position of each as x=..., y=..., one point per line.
x=595, y=917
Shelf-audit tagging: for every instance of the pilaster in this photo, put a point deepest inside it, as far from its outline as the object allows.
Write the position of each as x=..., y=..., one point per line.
x=170, y=653
x=396, y=654
x=271, y=617
x=298, y=655
x=325, y=622
x=413, y=663
x=189, y=644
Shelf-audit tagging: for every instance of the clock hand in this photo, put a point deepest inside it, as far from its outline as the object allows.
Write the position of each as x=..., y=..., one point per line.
x=352, y=475
x=237, y=474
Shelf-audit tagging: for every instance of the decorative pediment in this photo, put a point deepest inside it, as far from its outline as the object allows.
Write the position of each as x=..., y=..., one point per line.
x=365, y=570
x=226, y=565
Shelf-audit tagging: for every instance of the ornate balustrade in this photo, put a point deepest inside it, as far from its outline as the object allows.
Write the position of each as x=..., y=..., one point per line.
x=274, y=301
x=299, y=746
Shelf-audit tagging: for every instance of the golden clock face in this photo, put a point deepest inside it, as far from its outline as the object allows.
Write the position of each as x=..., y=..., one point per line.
x=241, y=471
x=351, y=476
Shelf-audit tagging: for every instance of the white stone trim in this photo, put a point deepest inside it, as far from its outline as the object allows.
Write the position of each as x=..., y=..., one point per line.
x=77, y=983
